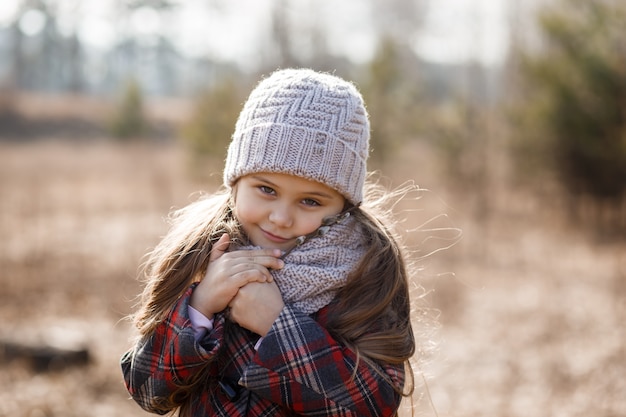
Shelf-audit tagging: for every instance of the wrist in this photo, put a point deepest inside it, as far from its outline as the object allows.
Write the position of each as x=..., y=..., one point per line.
x=269, y=323
x=200, y=306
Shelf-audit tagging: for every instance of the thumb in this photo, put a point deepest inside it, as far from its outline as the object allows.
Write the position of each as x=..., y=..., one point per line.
x=219, y=247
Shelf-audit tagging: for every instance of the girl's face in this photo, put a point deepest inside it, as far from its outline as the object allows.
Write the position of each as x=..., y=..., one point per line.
x=275, y=209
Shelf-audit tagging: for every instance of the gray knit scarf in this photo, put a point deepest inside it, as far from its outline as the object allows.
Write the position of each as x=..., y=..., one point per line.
x=317, y=268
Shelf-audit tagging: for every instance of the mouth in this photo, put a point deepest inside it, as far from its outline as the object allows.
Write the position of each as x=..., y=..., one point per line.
x=274, y=238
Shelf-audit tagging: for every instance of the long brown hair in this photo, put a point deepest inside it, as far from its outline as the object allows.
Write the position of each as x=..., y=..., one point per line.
x=372, y=312
x=182, y=255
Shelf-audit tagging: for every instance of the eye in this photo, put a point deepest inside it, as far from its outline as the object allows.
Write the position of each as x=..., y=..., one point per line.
x=310, y=202
x=266, y=190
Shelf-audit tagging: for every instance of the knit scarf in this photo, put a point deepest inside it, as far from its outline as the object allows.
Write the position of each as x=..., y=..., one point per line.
x=315, y=270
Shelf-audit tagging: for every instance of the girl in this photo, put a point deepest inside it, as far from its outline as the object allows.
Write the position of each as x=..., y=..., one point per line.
x=285, y=293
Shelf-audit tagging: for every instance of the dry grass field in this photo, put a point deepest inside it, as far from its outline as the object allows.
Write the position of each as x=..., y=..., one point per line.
x=532, y=312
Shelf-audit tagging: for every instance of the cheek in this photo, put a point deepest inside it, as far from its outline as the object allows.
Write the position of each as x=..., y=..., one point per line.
x=309, y=224
x=247, y=209
x=242, y=211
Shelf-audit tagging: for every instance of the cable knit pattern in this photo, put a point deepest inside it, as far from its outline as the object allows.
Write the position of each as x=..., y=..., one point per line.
x=314, y=271
x=304, y=123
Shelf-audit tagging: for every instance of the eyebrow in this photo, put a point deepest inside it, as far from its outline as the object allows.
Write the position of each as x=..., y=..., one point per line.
x=320, y=194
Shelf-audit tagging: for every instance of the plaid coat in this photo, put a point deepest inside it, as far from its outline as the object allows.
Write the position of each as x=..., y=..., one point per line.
x=298, y=369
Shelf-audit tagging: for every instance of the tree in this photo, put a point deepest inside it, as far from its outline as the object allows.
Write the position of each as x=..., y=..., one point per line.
x=575, y=90
x=128, y=120
x=391, y=96
x=208, y=131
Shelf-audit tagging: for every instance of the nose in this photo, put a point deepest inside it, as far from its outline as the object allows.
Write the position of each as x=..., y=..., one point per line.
x=281, y=215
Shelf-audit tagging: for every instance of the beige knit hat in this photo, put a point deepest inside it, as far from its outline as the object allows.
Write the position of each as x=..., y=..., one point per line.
x=304, y=123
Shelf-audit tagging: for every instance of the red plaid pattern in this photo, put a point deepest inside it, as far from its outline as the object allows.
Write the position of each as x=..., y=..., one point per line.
x=299, y=369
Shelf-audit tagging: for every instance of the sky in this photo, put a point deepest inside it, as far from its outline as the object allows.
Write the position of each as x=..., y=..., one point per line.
x=454, y=31
x=458, y=30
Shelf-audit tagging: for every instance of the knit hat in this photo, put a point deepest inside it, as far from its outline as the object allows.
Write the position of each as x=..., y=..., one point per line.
x=304, y=123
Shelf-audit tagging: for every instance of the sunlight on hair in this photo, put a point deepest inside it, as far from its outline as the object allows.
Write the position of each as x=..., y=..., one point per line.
x=448, y=236
x=420, y=220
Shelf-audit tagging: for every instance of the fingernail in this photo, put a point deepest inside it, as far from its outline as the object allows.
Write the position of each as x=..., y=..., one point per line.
x=281, y=263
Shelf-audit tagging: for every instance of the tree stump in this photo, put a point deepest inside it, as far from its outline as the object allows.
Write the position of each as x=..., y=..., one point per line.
x=44, y=353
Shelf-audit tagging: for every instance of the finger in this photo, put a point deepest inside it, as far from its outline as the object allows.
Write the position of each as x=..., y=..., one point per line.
x=238, y=260
x=274, y=253
x=252, y=273
x=269, y=262
x=219, y=247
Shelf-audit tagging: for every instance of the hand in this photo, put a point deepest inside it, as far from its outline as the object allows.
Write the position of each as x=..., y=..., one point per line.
x=227, y=272
x=256, y=306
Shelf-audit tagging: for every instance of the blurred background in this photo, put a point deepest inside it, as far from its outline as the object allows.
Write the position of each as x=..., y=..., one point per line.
x=510, y=116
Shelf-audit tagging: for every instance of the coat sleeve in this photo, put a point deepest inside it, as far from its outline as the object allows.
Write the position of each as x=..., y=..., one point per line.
x=156, y=368
x=300, y=366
